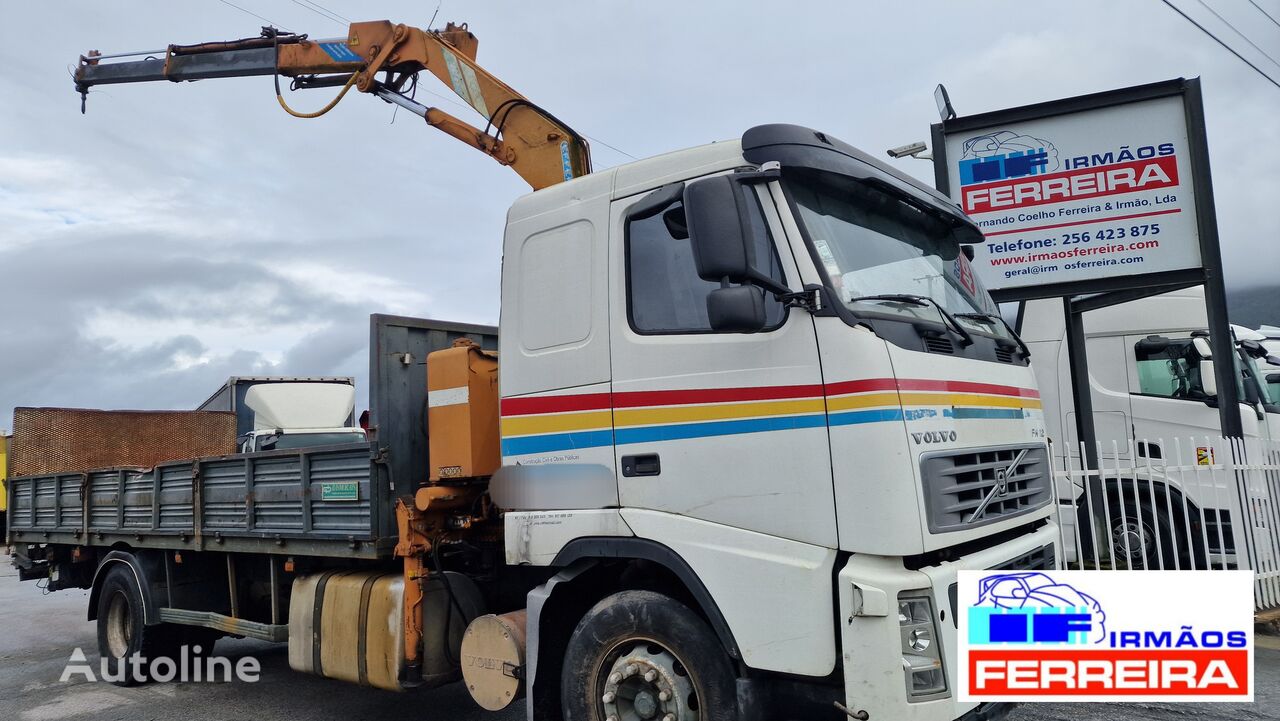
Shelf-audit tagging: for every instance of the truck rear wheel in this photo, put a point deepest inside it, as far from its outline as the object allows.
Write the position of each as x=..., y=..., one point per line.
x=122, y=629
x=643, y=656
x=1134, y=537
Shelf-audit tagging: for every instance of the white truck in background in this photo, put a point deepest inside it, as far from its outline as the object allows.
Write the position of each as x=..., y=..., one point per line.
x=279, y=412
x=1154, y=399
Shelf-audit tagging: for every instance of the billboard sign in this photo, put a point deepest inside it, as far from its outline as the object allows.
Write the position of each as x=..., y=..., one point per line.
x=1077, y=196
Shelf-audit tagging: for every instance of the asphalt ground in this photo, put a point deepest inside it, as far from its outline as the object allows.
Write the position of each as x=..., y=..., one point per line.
x=38, y=635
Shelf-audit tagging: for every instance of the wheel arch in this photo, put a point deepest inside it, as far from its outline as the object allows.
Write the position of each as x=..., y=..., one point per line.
x=643, y=549
x=556, y=607
x=1164, y=488
x=141, y=577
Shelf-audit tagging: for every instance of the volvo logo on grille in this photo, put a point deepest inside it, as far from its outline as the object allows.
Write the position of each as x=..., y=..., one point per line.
x=934, y=436
x=1002, y=483
x=1001, y=487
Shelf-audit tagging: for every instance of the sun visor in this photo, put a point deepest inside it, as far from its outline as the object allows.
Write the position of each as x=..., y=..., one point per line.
x=798, y=146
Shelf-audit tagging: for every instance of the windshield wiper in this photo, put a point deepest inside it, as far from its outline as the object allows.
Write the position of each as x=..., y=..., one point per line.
x=923, y=301
x=992, y=318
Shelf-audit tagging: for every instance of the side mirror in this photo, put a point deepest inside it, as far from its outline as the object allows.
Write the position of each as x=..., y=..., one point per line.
x=1273, y=378
x=737, y=309
x=1203, y=349
x=1208, y=380
x=1253, y=348
x=1153, y=344
x=266, y=443
x=721, y=248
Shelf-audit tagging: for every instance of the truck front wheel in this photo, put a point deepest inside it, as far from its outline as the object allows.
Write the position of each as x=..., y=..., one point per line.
x=122, y=630
x=643, y=656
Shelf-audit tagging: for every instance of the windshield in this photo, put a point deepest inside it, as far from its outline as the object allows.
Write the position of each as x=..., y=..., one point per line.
x=874, y=243
x=1266, y=391
x=1272, y=384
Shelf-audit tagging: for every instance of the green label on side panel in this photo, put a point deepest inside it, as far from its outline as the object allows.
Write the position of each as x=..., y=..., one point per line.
x=339, y=491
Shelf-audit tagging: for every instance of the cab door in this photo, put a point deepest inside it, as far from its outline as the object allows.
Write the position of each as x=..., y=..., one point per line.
x=1113, y=423
x=724, y=427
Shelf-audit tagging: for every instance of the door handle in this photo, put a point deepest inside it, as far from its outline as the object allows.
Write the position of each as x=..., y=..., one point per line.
x=645, y=464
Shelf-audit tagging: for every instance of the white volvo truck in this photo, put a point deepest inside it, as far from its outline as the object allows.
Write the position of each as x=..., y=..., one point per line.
x=756, y=412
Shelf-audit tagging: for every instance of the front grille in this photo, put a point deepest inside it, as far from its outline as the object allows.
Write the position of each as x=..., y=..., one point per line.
x=1004, y=354
x=1041, y=559
x=970, y=489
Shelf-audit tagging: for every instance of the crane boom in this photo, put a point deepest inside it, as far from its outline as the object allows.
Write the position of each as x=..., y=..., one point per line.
x=538, y=146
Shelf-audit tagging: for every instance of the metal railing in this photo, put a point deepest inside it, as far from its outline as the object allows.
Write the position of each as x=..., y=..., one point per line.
x=1182, y=503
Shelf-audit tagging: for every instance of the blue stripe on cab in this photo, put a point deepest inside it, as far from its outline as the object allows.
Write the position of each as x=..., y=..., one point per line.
x=873, y=416
x=716, y=428
x=963, y=413
x=556, y=442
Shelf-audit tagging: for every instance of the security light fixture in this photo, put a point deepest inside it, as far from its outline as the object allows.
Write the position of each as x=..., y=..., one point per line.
x=914, y=150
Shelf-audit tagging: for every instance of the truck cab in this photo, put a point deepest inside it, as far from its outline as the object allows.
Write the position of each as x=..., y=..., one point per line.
x=1155, y=405
x=279, y=413
x=768, y=363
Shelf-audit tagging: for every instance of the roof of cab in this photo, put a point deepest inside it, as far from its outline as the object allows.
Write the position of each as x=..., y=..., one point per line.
x=632, y=178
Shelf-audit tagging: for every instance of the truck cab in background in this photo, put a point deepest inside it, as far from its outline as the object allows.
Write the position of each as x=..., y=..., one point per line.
x=1154, y=403
x=277, y=413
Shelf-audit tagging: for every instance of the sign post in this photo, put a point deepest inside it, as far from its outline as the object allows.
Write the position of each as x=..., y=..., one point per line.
x=1098, y=199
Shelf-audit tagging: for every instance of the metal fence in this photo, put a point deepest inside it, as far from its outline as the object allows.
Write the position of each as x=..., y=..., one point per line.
x=1185, y=503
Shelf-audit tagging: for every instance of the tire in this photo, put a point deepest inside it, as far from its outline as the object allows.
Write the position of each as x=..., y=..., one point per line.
x=122, y=629
x=640, y=655
x=1142, y=523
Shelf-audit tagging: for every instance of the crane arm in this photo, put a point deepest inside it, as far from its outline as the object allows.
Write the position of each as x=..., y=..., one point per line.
x=520, y=134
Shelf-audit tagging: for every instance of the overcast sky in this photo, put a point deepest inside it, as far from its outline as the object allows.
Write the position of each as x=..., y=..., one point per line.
x=179, y=234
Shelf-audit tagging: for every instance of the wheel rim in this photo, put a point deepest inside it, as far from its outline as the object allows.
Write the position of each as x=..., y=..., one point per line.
x=119, y=625
x=642, y=680
x=1127, y=537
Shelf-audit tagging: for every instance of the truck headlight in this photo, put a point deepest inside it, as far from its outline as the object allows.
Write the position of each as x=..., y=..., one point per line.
x=921, y=654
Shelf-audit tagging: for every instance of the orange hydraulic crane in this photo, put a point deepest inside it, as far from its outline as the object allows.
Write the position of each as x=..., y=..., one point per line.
x=520, y=134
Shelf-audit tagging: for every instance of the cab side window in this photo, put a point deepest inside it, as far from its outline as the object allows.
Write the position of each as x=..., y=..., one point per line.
x=1171, y=372
x=665, y=294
